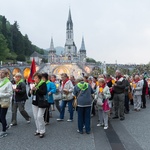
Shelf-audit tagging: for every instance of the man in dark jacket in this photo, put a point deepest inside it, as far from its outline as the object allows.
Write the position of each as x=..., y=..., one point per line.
x=119, y=96
x=19, y=99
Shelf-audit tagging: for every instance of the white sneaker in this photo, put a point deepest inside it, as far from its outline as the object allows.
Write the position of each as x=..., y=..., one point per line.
x=3, y=134
x=69, y=120
x=106, y=127
x=100, y=124
x=28, y=121
x=60, y=119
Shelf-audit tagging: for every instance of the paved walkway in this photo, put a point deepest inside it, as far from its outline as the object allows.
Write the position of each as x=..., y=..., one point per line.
x=131, y=134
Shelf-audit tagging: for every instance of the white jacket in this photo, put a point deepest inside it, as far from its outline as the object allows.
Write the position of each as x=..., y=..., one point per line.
x=100, y=97
x=6, y=91
x=68, y=86
x=138, y=89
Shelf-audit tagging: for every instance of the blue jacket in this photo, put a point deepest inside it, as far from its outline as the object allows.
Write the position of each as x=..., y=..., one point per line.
x=50, y=88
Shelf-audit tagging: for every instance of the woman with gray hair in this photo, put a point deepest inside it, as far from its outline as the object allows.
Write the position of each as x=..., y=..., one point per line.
x=5, y=95
x=19, y=99
x=83, y=92
x=102, y=95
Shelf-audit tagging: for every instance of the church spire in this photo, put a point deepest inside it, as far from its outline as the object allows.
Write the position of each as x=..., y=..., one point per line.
x=69, y=21
x=69, y=16
x=82, y=45
x=52, y=45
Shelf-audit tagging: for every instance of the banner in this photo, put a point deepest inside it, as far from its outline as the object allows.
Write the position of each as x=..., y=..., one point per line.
x=32, y=71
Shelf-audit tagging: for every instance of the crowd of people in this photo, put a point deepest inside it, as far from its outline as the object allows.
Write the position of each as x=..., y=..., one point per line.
x=105, y=96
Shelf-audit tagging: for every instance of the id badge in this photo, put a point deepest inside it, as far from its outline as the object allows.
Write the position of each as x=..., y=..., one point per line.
x=34, y=97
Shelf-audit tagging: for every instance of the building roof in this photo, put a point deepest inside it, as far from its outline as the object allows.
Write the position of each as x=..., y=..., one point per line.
x=36, y=54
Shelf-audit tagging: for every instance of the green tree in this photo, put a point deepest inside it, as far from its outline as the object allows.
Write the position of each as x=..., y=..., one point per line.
x=27, y=46
x=17, y=39
x=4, y=51
x=4, y=28
x=21, y=58
x=90, y=60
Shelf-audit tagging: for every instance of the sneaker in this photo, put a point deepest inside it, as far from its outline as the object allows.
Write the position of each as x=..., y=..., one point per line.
x=100, y=124
x=41, y=135
x=3, y=134
x=69, y=120
x=84, y=127
x=13, y=124
x=46, y=123
x=36, y=133
x=80, y=132
x=28, y=121
x=122, y=118
x=106, y=127
x=8, y=127
x=60, y=119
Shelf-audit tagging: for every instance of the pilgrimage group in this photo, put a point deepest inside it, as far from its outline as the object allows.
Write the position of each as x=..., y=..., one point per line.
x=106, y=96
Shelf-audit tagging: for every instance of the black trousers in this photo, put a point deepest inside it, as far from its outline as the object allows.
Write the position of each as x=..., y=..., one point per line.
x=46, y=114
x=3, y=112
x=143, y=100
x=126, y=103
x=93, y=109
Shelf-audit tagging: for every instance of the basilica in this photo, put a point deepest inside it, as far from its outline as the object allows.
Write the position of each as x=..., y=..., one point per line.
x=71, y=60
x=70, y=53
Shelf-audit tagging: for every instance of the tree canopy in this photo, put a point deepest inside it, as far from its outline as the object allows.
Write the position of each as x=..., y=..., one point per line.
x=13, y=43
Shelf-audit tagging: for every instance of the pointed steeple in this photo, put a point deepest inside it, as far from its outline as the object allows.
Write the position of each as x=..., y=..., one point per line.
x=82, y=45
x=69, y=16
x=69, y=21
x=52, y=45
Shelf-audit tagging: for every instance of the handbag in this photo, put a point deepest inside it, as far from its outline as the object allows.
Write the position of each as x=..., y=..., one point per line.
x=99, y=102
x=43, y=102
x=57, y=96
x=75, y=103
x=105, y=106
x=5, y=104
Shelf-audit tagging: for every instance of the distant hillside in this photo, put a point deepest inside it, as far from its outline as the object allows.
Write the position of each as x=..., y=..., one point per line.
x=59, y=50
x=13, y=43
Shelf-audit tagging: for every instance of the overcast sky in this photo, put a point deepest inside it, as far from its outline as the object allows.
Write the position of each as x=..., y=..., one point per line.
x=114, y=30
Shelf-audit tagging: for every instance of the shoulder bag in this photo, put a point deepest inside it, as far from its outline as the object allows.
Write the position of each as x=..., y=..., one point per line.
x=43, y=102
x=74, y=103
x=5, y=103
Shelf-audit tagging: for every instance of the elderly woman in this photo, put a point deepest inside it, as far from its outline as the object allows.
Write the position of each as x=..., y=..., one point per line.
x=66, y=89
x=5, y=95
x=83, y=92
x=137, y=92
x=19, y=99
x=38, y=92
x=102, y=94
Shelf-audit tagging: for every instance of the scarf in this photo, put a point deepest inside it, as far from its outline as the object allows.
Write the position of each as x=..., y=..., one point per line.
x=47, y=81
x=118, y=77
x=82, y=85
x=64, y=82
x=101, y=87
x=136, y=81
x=6, y=80
x=39, y=84
x=19, y=82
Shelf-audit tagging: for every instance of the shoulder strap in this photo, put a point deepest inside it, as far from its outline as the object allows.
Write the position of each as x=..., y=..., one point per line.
x=79, y=94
